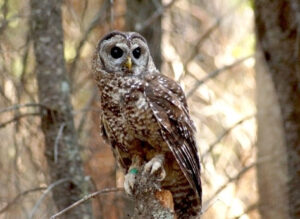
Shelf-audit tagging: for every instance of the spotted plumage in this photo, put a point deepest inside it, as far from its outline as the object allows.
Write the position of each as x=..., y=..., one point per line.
x=145, y=118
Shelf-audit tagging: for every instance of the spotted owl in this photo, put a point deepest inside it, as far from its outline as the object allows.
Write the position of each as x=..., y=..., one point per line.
x=145, y=119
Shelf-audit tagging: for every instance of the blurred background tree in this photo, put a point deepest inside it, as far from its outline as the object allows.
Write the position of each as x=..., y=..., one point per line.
x=207, y=46
x=278, y=95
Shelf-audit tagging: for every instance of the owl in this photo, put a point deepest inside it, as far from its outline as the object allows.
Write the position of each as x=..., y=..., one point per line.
x=145, y=118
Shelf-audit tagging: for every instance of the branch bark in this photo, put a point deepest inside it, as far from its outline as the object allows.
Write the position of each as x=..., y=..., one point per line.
x=54, y=94
x=150, y=200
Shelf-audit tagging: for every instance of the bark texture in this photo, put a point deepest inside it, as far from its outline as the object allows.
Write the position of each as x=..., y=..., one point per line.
x=271, y=175
x=61, y=147
x=150, y=200
x=278, y=36
x=139, y=11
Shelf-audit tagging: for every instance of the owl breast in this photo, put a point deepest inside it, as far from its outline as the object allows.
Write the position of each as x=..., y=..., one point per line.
x=127, y=116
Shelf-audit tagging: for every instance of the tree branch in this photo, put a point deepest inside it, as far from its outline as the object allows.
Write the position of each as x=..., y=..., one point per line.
x=85, y=198
x=159, y=12
x=16, y=118
x=226, y=132
x=49, y=188
x=215, y=74
x=18, y=106
x=19, y=196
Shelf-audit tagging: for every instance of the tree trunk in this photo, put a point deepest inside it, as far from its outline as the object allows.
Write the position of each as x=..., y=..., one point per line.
x=271, y=145
x=278, y=35
x=137, y=12
x=61, y=147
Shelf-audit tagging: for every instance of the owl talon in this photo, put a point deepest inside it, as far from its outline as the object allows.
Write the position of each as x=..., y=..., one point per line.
x=155, y=167
x=129, y=183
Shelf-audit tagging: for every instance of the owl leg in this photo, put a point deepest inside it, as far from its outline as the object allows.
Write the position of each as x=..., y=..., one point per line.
x=130, y=177
x=155, y=167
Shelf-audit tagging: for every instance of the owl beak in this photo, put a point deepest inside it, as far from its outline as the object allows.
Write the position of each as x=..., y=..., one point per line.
x=128, y=63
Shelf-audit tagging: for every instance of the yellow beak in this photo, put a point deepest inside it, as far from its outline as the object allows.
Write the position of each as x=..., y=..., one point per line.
x=128, y=63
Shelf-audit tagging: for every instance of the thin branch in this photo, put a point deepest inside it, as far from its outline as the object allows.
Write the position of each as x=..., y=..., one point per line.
x=111, y=21
x=18, y=117
x=58, y=137
x=201, y=40
x=226, y=132
x=159, y=12
x=210, y=30
x=97, y=20
x=85, y=109
x=85, y=198
x=240, y=174
x=18, y=106
x=250, y=208
x=49, y=188
x=19, y=196
x=215, y=73
x=232, y=179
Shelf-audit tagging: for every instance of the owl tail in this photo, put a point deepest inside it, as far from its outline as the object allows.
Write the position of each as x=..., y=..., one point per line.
x=186, y=202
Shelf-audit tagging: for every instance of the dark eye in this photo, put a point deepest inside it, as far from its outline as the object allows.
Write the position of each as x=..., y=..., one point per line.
x=116, y=52
x=136, y=53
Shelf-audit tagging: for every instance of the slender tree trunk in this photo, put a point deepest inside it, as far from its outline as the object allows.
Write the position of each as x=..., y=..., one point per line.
x=278, y=36
x=271, y=175
x=61, y=147
x=139, y=11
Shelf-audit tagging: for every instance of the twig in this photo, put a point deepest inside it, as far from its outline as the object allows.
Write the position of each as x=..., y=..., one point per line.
x=97, y=19
x=16, y=118
x=248, y=209
x=232, y=179
x=111, y=22
x=241, y=173
x=226, y=132
x=201, y=40
x=214, y=74
x=85, y=109
x=209, y=32
x=19, y=196
x=58, y=137
x=159, y=12
x=49, y=188
x=18, y=106
x=208, y=205
x=85, y=198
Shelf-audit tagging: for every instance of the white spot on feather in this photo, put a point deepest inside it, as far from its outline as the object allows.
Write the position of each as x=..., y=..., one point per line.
x=141, y=102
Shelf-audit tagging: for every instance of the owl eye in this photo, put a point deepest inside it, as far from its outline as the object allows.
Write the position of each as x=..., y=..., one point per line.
x=136, y=53
x=116, y=52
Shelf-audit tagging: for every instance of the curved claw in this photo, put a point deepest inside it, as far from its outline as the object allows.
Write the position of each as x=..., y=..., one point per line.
x=129, y=183
x=155, y=166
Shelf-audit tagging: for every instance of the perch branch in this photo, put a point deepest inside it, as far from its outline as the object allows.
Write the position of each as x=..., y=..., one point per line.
x=150, y=200
x=85, y=198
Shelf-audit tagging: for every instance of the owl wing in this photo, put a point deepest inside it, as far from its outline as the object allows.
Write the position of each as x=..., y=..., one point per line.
x=169, y=106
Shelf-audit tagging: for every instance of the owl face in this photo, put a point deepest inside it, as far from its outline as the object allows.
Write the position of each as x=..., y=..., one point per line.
x=123, y=53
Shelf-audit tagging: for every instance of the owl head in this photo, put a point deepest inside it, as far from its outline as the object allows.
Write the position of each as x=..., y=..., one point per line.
x=122, y=53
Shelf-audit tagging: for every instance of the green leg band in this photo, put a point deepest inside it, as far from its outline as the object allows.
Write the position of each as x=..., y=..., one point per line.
x=134, y=171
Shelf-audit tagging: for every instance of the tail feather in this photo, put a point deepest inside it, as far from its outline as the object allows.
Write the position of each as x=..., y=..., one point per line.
x=187, y=204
